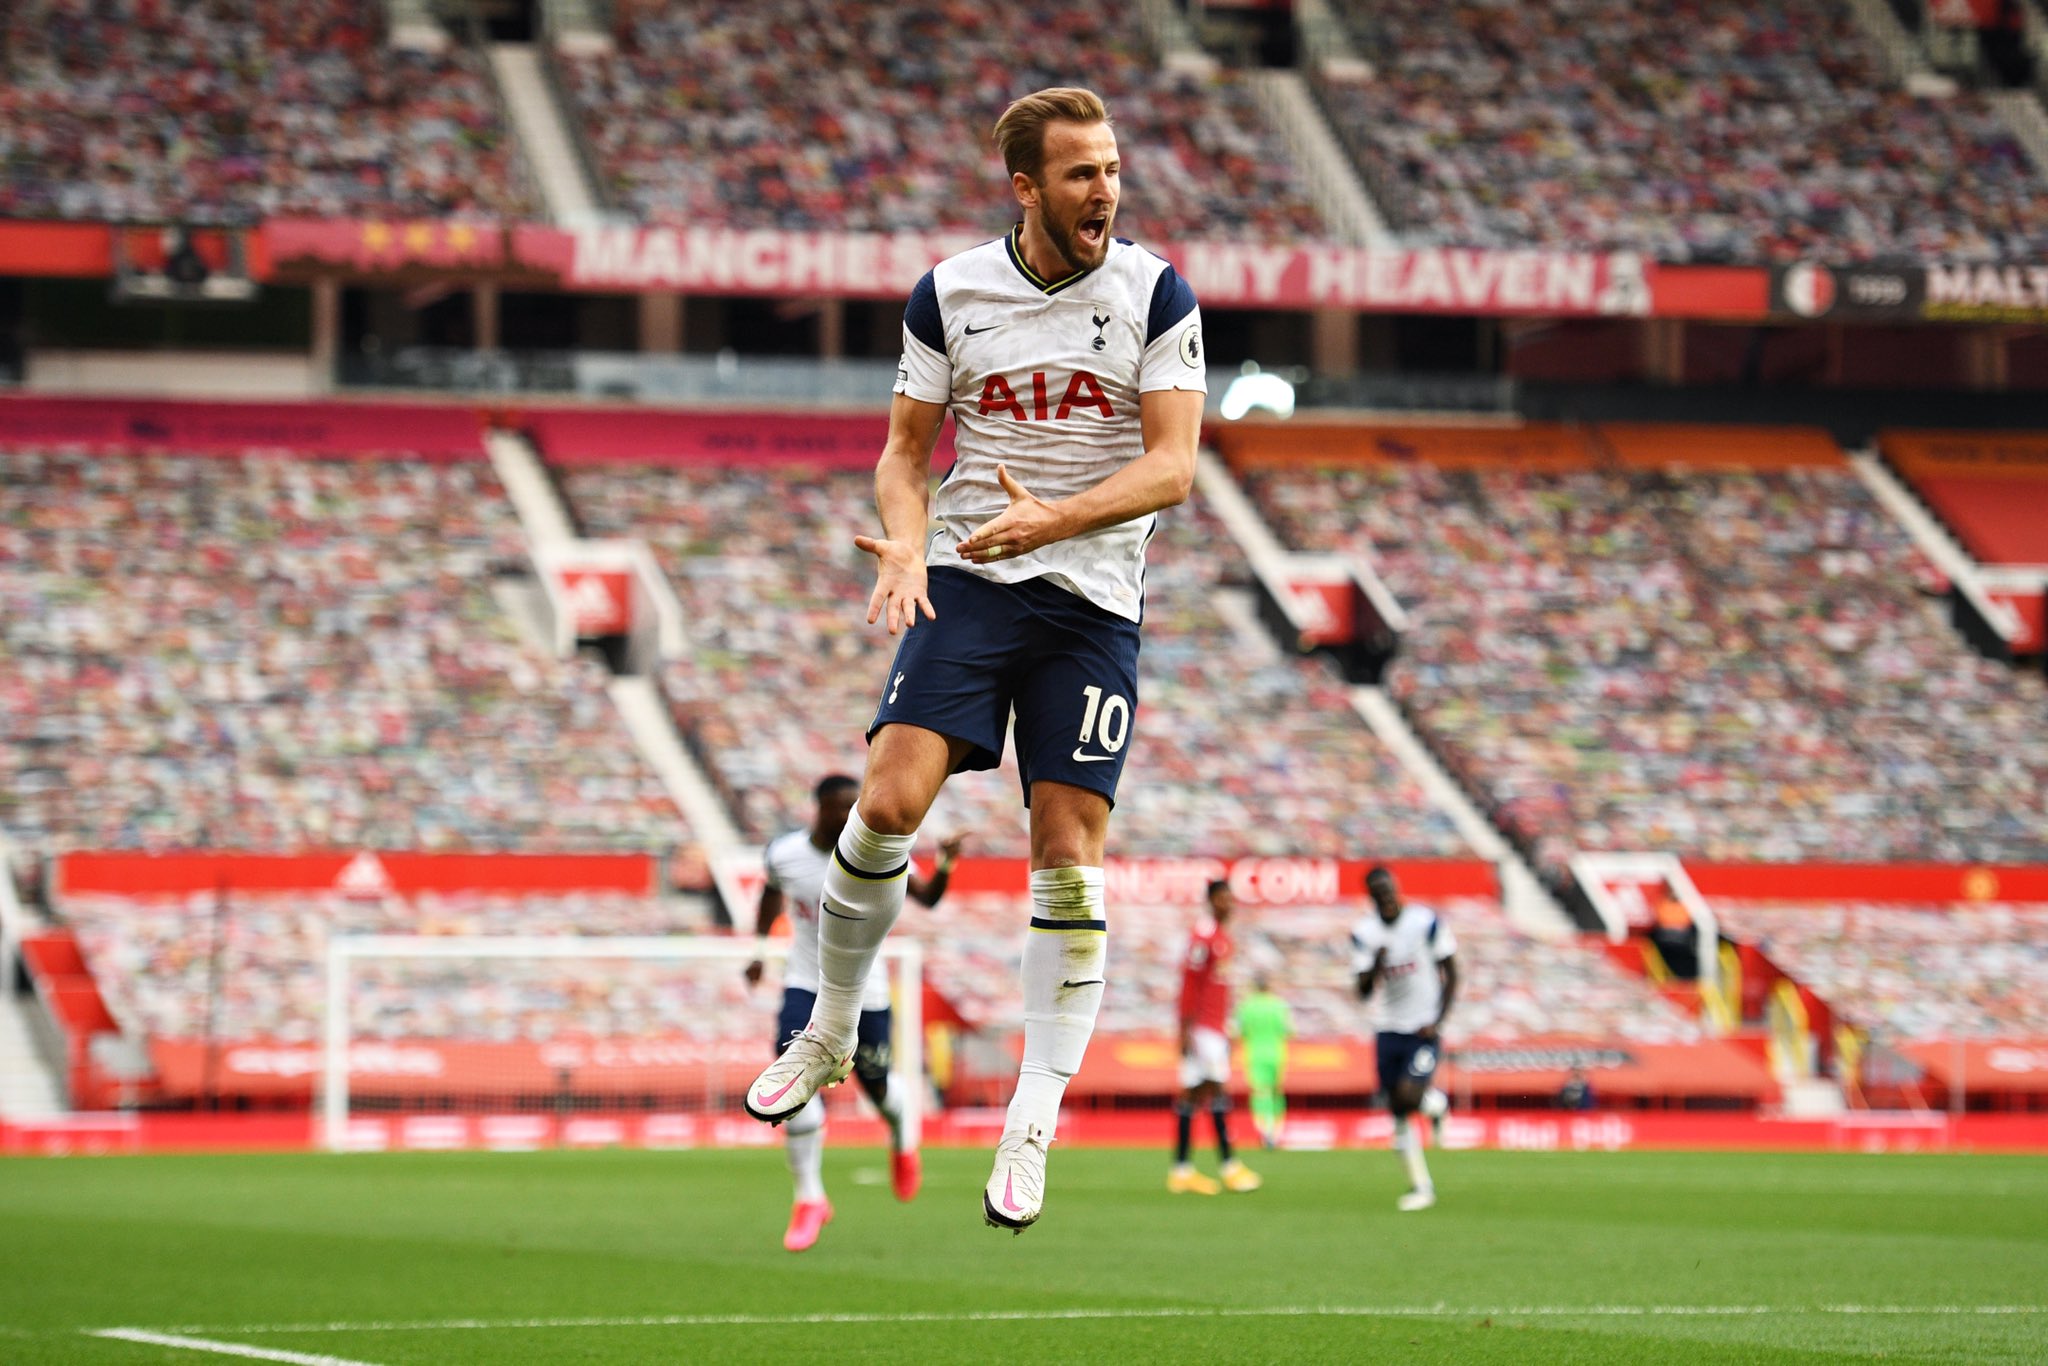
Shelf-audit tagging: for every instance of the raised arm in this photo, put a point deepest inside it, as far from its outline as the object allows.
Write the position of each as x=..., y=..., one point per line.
x=929, y=890
x=1171, y=420
x=902, y=483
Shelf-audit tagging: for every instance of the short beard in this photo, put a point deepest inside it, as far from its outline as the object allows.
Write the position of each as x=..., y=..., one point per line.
x=1068, y=246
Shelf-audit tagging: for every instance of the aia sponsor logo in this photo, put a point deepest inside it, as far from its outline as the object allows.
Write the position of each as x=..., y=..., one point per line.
x=1083, y=393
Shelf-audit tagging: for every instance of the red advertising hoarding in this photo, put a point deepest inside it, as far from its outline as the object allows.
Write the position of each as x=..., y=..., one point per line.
x=1926, y=883
x=1534, y=1131
x=1117, y=1065
x=424, y=430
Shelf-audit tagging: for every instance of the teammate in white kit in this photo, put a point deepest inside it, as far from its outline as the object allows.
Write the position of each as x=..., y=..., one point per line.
x=795, y=864
x=1408, y=953
x=1072, y=364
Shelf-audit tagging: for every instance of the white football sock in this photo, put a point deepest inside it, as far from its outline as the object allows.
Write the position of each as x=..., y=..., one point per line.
x=804, y=1136
x=1064, y=954
x=1408, y=1142
x=864, y=885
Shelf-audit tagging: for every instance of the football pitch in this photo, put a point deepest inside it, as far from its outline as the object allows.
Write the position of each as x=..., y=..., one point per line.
x=631, y=1257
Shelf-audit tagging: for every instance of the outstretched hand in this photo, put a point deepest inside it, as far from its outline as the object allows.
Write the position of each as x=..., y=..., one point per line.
x=1026, y=525
x=900, y=587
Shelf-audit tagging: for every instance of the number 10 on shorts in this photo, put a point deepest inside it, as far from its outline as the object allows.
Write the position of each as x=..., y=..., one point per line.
x=1114, y=712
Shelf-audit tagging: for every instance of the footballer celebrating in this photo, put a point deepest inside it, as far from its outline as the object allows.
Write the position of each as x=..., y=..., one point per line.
x=795, y=867
x=1071, y=362
x=1407, y=954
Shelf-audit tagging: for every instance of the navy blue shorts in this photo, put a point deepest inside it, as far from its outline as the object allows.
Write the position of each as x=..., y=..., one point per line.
x=871, y=1035
x=1068, y=668
x=1403, y=1057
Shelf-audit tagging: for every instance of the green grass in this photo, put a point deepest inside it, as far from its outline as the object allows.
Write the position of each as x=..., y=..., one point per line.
x=240, y=1248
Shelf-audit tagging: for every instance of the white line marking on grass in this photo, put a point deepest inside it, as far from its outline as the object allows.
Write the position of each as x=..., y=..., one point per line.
x=1363, y=1311
x=225, y=1349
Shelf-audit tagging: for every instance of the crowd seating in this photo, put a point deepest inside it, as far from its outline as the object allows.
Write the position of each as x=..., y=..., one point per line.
x=227, y=112
x=852, y=115
x=1910, y=972
x=1709, y=130
x=1512, y=987
x=1240, y=750
x=275, y=654
x=1732, y=665
x=154, y=962
x=153, y=959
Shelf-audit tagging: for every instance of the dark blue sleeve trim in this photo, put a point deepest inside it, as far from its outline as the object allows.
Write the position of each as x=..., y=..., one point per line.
x=1172, y=300
x=1432, y=929
x=921, y=315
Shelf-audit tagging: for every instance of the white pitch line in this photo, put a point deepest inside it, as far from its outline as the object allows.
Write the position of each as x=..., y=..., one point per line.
x=225, y=1349
x=1417, y=1311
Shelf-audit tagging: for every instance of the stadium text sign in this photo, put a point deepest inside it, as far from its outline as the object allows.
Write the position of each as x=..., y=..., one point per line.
x=706, y=260
x=1986, y=293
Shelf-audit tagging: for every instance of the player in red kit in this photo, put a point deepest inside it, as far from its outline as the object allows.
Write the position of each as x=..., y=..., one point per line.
x=1205, y=1051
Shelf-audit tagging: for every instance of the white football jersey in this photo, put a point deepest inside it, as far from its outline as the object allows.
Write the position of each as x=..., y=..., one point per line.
x=796, y=868
x=1410, y=993
x=1044, y=377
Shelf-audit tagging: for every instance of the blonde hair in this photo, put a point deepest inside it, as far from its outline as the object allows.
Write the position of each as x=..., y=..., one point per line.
x=1020, y=132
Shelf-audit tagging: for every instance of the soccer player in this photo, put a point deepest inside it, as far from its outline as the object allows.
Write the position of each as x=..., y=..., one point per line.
x=1071, y=362
x=1410, y=952
x=1265, y=1026
x=1205, y=1051
x=796, y=875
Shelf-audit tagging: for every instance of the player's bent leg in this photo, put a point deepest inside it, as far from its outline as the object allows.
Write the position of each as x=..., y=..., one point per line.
x=867, y=875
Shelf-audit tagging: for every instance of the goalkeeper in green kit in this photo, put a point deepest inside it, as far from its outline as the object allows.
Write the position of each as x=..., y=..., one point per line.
x=1264, y=1027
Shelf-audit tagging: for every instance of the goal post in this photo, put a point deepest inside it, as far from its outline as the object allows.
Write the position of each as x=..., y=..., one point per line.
x=505, y=1026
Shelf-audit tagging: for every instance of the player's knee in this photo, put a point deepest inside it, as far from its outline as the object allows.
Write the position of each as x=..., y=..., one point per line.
x=887, y=809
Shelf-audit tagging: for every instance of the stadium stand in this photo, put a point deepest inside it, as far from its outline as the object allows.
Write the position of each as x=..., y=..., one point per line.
x=1512, y=987
x=854, y=116
x=1709, y=130
x=252, y=970
x=153, y=960
x=1987, y=487
x=278, y=654
x=1911, y=972
x=1245, y=752
x=228, y=112
x=1732, y=664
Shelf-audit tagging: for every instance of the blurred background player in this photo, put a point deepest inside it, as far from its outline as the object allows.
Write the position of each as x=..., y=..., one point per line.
x=1205, y=1051
x=796, y=878
x=1264, y=1025
x=1409, y=951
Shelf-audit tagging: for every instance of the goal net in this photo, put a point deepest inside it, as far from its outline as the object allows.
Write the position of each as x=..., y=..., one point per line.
x=452, y=1041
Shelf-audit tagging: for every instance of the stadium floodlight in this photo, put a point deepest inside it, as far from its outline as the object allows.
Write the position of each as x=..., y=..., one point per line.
x=528, y=1034
x=1257, y=388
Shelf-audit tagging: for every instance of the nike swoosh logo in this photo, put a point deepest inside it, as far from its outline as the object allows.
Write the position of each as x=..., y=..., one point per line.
x=1010, y=1196
x=770, y=1100
x=977, y=331
x=1091, y=982
x=1081, y=758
